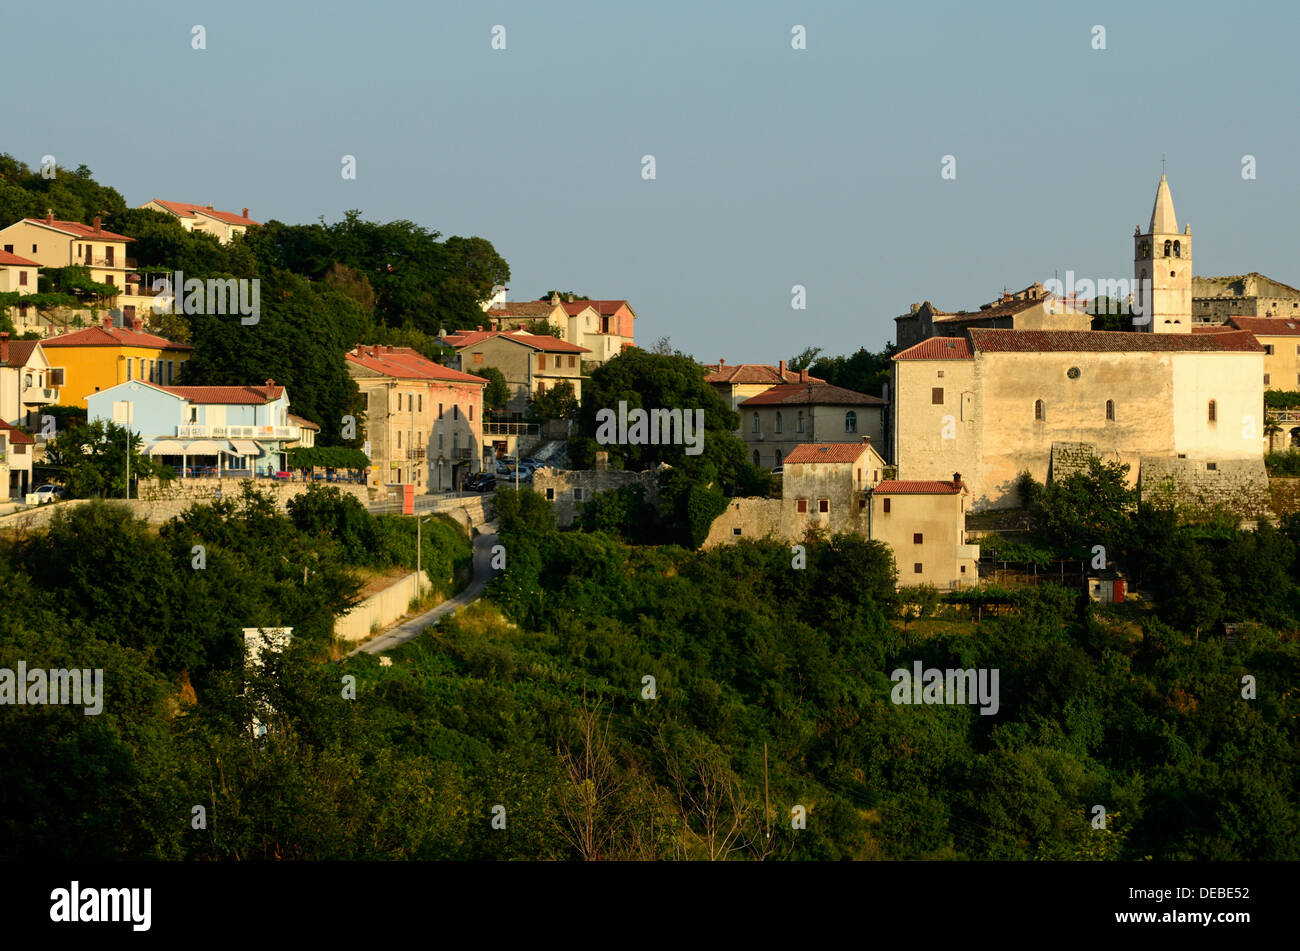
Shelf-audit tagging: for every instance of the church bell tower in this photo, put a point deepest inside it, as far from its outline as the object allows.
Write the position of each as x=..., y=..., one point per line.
x=1162, y=270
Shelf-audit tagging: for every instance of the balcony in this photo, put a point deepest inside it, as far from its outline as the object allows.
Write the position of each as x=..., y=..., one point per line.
x=417, y=453
x=464, y=455
x=38, y=395
x=205, y=431
x=510, y=429
x=971, y=552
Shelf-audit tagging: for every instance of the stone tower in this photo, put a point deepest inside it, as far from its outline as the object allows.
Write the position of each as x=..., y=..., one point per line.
x=1162, y=270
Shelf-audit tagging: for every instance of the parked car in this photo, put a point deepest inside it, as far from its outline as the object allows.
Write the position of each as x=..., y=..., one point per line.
x=49, y=493
x=486, y=484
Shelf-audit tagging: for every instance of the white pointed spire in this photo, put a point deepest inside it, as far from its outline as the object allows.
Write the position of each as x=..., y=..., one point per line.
x=1163, y=220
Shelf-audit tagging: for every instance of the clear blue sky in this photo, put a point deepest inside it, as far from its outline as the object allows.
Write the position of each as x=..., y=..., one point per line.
x=775, y=167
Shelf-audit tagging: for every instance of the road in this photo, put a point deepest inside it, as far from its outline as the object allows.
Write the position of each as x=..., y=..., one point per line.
x=482, y=574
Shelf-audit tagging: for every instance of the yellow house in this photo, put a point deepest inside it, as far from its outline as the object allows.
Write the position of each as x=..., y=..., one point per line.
x=204, y=219
x=99, y=357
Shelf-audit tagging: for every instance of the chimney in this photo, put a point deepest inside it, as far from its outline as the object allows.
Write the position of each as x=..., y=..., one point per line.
x=782, y=370
x=956, y=480
x=97, y=227
x=4, y=349
x=270, y=382
x=555, y=297
x=803, y=376
x=108, y=321
x=49, y=216
x=866, y=440
x=602, y=460
x=137, y=324
x=210, y=208
x=245, y=213
x=478, y=327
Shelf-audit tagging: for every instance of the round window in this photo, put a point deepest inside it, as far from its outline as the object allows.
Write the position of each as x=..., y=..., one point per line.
x=1072, y=373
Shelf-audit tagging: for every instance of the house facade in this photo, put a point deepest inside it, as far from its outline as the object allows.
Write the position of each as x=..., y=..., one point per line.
x=18, y=275
x=530, y=363
x=787, y=415
x=204, y=430
x=424, y=421
x=28, y=383
x=16, y=450
x=204, y=219
x=737, y=382
x=604, y=327
x=98, y=358
x=1029, y=309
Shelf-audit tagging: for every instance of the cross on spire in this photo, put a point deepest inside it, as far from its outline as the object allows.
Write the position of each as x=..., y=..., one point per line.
x=1162, y=163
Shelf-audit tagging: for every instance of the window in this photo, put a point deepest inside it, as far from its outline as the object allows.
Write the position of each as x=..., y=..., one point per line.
x=1178, y=249
x=800, y=420
x=577, y=495
x=850, y=422
x=22, y=282
x=777, y=457
x=550, y=495
x=1169, y=246
x=399, y=439
x=455, y=411
x=1266, y=379
x=862, y=503
x=471, y=412
x=885, y=507
x=419, y=405
x=735, y=531
x=823, y=505
x=756, y=457
x=573, y=362
x=399, y=402
x=478, y=359
x=918, y=538
x=875, y=475
x=1110, y=410
x=936, y=396
x=541, y=387
x=1212, y=466
x=129, y=368
x=9, y=248
x=171, y=371
x=756, y=422
x=541, y=361
x=916, y=568
x=1038, y=411
x=455, y=442
x=963, y=569
x=801, y=506
x=940, y=375
x=440, y=411
x=777, y=427
x=1268, y=349
x=1212, y=413
x=440, y=442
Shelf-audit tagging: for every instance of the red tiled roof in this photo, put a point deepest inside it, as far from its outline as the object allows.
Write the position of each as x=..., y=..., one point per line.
x=407, y=364
x=605, y=308
x=1108, y=341
x=811, y=394
x=16, y=435
x=303, y=422
x=738, y=373
x=530, y=308
x=8, y=259
x=1267, y=326
x=79, y=230
x=467, y=338
x=897, y=487
x=112, y=337
x=1215, y=329
x=825, y=452
x=255, y=395
x=937, y=348
x=20, y=351
x=185, y=209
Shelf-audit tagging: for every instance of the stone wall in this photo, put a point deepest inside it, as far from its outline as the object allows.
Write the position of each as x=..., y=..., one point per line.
x=747, y=518
x=1239, y=486
x=569, y=489
x=1069, y=458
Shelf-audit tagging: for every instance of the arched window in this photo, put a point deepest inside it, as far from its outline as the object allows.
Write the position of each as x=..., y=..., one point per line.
x=1038, y=411
x=755, y=457
x=756, y=429
x=1146, y=249
x=850, y=422
x=1178, y=249
x=1110, y=410
x=1168, y=247
x=1213, y=412
x=800, y=422
x=778, y=421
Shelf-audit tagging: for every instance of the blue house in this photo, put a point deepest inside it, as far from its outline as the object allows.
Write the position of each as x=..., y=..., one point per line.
x=204, y=430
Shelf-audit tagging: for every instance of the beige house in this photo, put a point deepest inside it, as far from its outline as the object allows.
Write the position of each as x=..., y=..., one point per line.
x=16, y=452
x=837, y=487
x=996, y=402
x=737, y=382
x=424, y=421
x=55, y=243
x=1029, y=309
x=530, y=363
x=28, y=383
x=604, y=327
x=204, y=219
x=18, y=275
x=784, y=416
x=1215, y=299
x=1280, y=338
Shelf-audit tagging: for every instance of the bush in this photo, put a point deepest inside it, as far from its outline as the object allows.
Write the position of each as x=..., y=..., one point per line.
x=1283, y=463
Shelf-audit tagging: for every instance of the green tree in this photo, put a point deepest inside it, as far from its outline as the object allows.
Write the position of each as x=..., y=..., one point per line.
x=558, y=402
x=497, y=393
x=93, y=458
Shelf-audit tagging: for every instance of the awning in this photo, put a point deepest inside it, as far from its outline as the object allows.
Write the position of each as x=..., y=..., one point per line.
x=246, y=447
x=204, y=447
x=166, y=447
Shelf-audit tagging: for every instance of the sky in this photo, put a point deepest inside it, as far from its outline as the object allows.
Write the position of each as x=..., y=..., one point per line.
x=773, y=166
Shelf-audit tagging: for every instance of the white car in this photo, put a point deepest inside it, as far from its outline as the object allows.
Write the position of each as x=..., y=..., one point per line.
x=49, y=493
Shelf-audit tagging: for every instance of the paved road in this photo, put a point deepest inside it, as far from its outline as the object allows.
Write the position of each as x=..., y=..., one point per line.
x=408, y=630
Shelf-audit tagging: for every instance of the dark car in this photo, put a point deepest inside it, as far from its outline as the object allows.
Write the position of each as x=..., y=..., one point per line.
x=486, y=484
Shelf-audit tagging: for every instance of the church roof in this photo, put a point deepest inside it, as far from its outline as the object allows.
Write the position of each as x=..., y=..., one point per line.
x=1108, y=341
x=1163, y=220
x=937, y=348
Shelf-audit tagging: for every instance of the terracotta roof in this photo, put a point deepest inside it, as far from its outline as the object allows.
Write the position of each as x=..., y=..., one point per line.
x=112, y=337
x=254, y=395
x=1108, y=341
x=1267, y=326
x=302, y=422
x=529, y=308
x=938, y=348
x=16, y=435
x=825, y=452
x=811, y=394
x=605, y=308
x=467, y=338
x=185, y=209
x=897, y=487
x=999, y=309
x=20, y=351
x=405, y=363
x=79, y=230
x=8, y=259
x=1215, y=329
x=753, y=373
